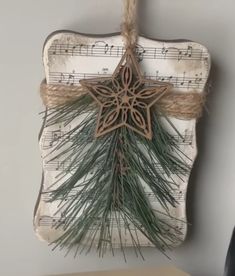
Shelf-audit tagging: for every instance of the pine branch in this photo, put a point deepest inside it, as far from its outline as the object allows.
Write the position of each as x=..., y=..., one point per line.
x=105, y=191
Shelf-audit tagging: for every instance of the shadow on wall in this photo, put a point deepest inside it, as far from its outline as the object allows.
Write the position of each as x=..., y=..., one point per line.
x=202, y=142
x=230, y=259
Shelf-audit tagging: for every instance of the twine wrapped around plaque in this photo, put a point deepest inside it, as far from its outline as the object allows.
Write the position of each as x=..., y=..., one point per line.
x=103, y=183
x=180, y=105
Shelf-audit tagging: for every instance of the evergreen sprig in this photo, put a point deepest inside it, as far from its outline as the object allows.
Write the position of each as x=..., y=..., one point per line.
x=103, y=185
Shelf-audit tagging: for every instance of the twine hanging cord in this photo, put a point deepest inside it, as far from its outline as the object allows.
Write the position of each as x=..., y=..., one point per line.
x=129, y=25
x=180, y=105
x=184, y=106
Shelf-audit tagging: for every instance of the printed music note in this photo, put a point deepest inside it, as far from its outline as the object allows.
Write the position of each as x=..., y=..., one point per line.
x=100, y=48
x=198, y=79
x=74, y=48
x=67, y=48
x=83, y=50
x=62, y=78
x=164, y=52
x=140, y=52
x=189, y=51
x=70, y=80
x=183, y=79
x=189, y=83
x=56, y=135
x=106, y=48
x=92, y=49
x=180, y=55
x=170, y=78
x=111, y=49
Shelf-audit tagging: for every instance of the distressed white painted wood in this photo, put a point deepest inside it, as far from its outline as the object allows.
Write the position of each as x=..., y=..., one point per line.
x=69, y=57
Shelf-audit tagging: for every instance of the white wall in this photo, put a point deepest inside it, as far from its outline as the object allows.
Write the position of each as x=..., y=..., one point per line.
x=24, y=25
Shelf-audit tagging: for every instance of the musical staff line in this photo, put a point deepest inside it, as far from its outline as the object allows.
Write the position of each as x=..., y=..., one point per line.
x=181, y=82
x=54, y=137
x=53, y=221
x=103, y=49
x=178, y=195
x=65, y=166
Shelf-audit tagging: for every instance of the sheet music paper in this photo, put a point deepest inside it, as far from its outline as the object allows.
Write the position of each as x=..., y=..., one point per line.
x=69, y=57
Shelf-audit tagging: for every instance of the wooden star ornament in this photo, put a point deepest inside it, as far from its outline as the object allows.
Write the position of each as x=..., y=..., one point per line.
x=125, y=98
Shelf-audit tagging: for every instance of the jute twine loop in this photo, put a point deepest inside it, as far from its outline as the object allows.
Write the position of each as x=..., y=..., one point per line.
x=129, y=25
x=180, y=105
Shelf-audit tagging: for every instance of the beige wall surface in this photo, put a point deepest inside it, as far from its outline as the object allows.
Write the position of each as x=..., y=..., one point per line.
x=24, y=25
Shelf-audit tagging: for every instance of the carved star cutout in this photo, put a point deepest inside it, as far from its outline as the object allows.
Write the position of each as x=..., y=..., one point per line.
x=125, y=98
